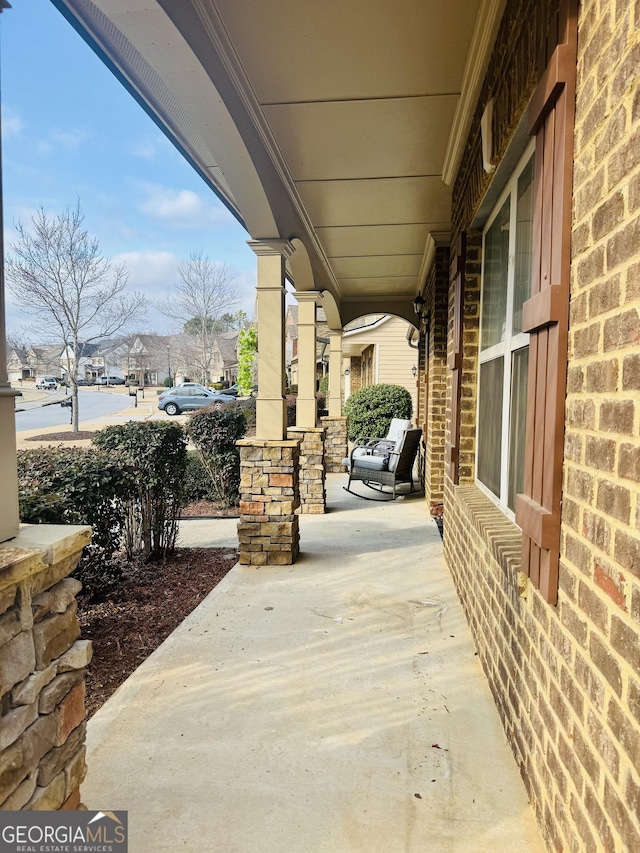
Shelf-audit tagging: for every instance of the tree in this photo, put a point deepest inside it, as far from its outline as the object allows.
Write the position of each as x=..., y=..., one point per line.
x=75, y=295
x=247, y=348
x=231, y=322
x=206, y=290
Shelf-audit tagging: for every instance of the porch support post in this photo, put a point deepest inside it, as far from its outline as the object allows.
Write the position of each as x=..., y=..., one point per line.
x=334, y=403
x=271, y=417
x=306, y=406
x=335, y=424
x=9, y=515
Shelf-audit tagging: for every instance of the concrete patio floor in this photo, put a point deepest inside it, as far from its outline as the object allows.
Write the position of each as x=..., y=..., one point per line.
x=335, y=705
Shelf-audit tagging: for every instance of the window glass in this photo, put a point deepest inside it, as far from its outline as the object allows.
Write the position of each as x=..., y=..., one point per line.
x=524, y=241
x=494, y=287
x=517, y=423
x=504, y=348
x=490, y=424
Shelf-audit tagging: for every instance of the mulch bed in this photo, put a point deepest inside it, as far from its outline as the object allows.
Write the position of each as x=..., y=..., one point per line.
x=209, y=509
x=62, y=436
x=149, y=603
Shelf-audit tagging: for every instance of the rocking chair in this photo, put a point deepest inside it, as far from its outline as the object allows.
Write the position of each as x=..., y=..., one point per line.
x=380, y=466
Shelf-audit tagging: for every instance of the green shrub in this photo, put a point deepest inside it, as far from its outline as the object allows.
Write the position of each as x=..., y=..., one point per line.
x=167, y=382
x=198, y=485
x=214, y=433
x=158, y=453
x=247, y=348
x=324, y=385
x=66, y=485
x=371, y=409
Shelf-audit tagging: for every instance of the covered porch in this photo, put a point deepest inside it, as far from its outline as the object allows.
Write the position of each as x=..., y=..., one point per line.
x=337, y=705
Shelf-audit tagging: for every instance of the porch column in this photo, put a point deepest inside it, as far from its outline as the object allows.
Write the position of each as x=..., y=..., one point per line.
x=268, y=531
x=334, y=402
x=306, y=406
x=335, y=424
x=271, y=416
x=9, y=516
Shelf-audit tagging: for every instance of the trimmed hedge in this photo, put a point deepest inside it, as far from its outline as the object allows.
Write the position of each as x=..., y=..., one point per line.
x=371, y=409
x=214, y=433
x=67, y=485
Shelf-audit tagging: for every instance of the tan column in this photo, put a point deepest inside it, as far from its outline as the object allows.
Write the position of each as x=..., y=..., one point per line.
x=271, y=416
x=9, y=516
x=334, y=403
x=306, y=406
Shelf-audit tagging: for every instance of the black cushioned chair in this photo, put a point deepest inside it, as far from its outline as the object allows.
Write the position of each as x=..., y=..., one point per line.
x=385, y=467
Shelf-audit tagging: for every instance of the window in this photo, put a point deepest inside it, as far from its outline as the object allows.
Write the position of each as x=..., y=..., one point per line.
x=504, y=347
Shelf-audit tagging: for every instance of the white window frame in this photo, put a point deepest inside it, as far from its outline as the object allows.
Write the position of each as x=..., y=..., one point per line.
x=510, y=344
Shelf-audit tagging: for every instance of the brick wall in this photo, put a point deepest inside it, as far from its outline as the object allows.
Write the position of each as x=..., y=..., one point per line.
x=566, y=679
x=432, y=397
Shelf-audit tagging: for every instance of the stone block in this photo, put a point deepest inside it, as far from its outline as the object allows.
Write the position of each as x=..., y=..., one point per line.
x=7, y=598
x=27, y=691
x=49, y=798
x=251, y=508
x=75, y=772
x=258, y=558
x=69, y=713
x=59, y=597
x=37, y=740
x=55, y=634
x=17, y=660
x=20, y=796
x=13, y=723
x=59, y=757
x=12, y=770
x=78, y=656
x=58, y=689
x=281, y=480
x=54, y=573
x=72, y=803
x=10, y=625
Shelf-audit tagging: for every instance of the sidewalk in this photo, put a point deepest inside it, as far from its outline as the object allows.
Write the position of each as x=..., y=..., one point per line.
x=332, y=706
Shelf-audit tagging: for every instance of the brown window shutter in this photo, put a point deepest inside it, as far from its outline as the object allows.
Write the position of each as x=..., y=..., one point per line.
x=454, y=361
x=546, y=313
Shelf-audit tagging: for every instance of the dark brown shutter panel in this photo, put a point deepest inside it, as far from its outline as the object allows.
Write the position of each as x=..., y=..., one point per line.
x=546, y=313
x=454, y=361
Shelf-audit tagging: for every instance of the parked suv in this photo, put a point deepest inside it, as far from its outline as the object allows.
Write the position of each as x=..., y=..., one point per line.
x=111, y=380
x=46, y=383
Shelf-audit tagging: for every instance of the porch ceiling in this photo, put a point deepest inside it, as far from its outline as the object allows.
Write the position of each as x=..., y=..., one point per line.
x=328, y=122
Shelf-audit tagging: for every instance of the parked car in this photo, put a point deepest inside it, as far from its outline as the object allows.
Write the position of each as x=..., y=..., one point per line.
x=46, y=383
x=85, y=382
x=232, y=390
x=188, y=398
x=111, y=380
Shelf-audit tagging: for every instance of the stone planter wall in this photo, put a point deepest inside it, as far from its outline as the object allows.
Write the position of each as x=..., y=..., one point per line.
x=335, y=449
x=313, y=498
x=268, y=530
x=42, y=667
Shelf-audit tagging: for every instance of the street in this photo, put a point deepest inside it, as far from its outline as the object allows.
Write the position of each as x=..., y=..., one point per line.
x=93, y=405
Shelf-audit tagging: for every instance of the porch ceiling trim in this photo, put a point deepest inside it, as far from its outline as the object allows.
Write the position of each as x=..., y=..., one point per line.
x=484, y=36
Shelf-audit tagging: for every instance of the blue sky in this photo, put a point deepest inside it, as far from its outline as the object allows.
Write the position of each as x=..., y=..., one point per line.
x=70, y=130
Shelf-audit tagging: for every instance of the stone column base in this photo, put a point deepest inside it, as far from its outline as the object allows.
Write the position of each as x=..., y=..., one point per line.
x=335, y=445
x=313, y=497
x=42, y=670
x=268, y=530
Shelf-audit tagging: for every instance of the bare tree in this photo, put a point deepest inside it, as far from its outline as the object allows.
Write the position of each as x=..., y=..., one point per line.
x=58, y=276
x=206, y=291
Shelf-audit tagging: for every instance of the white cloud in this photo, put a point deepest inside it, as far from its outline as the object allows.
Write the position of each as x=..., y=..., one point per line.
x=181, y=208
x=12, y=124
x=153, y=273
x=71, y=139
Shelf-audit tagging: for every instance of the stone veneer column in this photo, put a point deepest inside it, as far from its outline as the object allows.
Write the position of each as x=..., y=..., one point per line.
x=42, y=670
x=313, y=496
x=335, y=448
x=268, y=530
